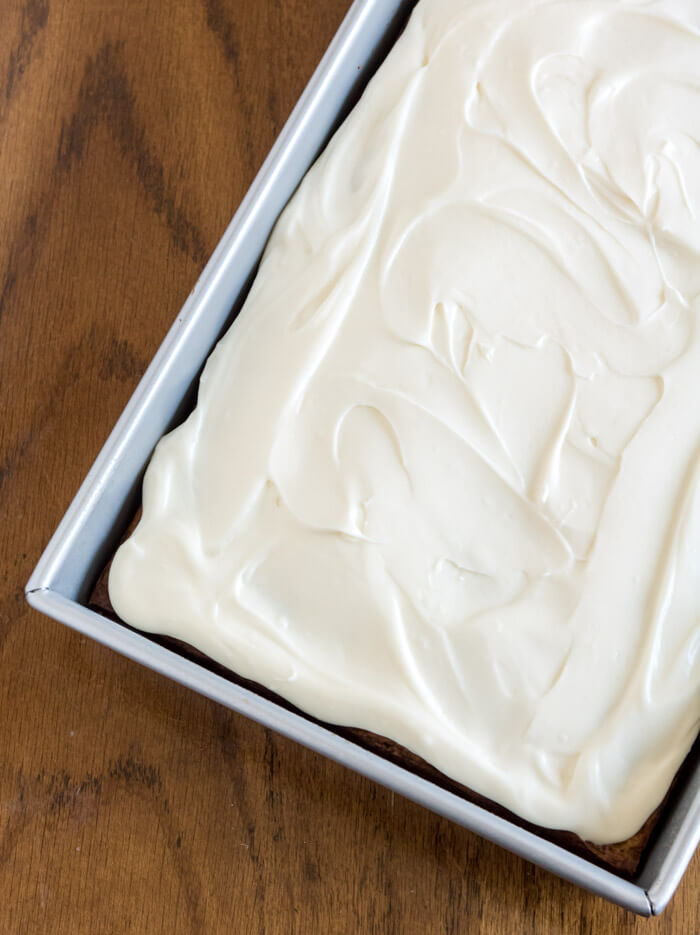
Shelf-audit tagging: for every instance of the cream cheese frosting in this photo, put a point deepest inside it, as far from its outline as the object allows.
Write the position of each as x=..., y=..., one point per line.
x=442, y=481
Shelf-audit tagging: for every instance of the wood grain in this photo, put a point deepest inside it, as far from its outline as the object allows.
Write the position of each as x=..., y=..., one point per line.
x=129, y=131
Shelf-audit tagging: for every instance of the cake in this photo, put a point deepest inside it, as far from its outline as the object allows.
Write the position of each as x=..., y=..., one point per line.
x=441, y=482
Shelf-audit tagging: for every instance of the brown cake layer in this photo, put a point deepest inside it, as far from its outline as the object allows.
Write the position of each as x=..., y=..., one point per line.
x=624, y=858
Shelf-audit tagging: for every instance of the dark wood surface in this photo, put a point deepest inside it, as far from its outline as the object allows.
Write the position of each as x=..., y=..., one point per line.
x=129, y=131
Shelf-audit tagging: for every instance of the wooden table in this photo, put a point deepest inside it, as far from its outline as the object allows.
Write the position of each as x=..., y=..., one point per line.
x=129, y=131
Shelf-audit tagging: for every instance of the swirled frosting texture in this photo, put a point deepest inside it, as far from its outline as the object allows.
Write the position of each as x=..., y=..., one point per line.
x=442, y=480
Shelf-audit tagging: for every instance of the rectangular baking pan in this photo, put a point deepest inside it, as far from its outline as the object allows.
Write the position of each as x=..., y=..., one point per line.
x=90, y=530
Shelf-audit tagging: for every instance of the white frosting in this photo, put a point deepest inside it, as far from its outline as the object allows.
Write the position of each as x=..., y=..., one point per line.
x=442, y=481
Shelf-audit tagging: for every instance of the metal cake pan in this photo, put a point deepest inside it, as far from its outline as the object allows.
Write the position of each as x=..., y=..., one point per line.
x=97, y=517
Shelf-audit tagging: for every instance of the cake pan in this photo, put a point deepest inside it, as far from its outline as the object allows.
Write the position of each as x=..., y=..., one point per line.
x=97, y=517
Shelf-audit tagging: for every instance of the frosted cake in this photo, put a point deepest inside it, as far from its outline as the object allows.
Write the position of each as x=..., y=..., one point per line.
x=441, y=481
